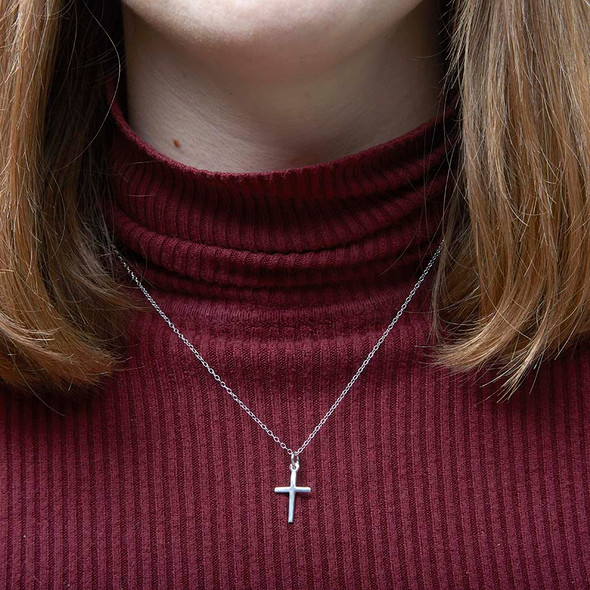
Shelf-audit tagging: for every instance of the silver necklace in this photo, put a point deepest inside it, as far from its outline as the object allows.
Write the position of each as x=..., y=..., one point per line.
x=292, y=488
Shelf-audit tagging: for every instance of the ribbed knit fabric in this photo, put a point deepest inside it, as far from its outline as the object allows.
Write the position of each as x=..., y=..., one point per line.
x=284, y=281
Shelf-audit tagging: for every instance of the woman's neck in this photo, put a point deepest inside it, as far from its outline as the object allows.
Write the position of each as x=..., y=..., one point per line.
x=240, y=106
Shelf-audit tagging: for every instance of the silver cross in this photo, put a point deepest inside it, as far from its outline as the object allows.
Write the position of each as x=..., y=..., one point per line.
x=292, y=489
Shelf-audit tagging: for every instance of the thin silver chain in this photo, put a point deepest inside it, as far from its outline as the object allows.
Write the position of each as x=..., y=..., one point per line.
x=294, y=454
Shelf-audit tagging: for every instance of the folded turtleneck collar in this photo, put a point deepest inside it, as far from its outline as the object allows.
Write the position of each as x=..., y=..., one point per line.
x=321, y=232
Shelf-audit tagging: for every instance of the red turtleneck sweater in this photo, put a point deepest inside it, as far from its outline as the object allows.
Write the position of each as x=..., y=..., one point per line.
x=284, y=281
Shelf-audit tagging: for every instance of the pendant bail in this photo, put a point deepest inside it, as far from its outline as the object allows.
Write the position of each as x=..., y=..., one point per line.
x=294, y=461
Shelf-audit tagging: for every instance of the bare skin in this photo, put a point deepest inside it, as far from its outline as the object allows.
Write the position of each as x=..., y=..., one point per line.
x=253, y=85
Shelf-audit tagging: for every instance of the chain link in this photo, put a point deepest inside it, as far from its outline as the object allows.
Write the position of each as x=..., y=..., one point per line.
x=293, y=454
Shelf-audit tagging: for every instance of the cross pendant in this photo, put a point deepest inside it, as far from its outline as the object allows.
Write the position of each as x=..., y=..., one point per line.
x=292, y=489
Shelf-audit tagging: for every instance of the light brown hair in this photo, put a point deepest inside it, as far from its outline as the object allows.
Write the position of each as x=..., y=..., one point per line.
x=511, y=285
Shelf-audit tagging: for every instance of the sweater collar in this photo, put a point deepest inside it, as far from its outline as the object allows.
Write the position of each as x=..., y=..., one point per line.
x=294, y=236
